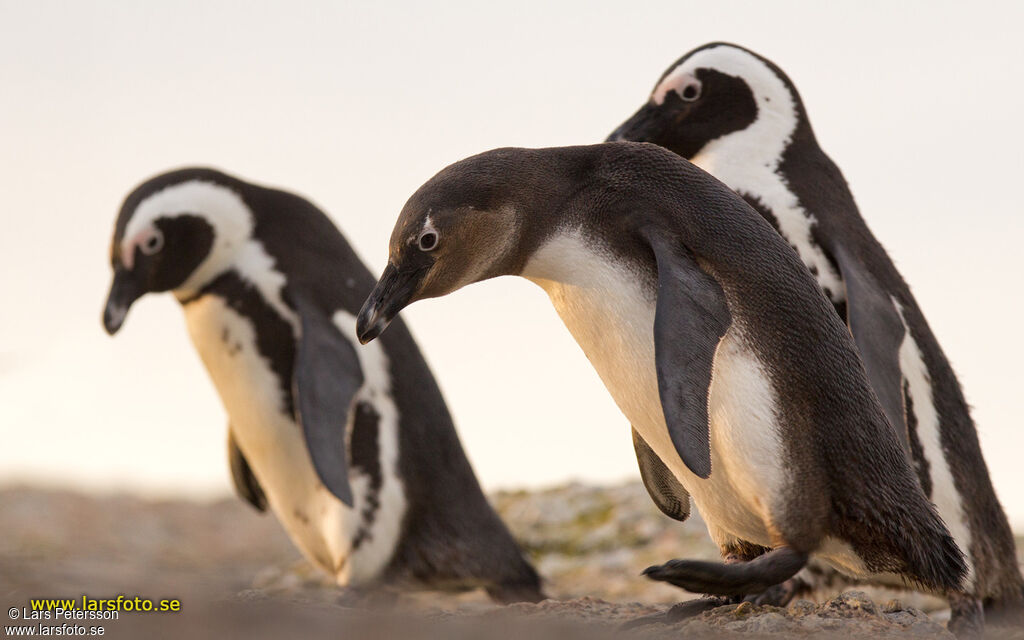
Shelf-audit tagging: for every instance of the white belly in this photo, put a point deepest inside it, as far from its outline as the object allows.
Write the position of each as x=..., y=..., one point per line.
x=319, y=524
x=611, y=318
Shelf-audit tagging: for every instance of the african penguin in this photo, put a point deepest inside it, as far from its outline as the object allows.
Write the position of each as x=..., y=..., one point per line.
x=352, y=448
x=739, y=117
x=714, y=341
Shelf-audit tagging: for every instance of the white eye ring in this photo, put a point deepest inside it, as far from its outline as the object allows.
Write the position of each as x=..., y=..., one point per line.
x=152, y=243
x=428, y=240
x=690, y=91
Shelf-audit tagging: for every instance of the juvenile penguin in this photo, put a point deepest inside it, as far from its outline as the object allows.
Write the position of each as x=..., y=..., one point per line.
x=352, y=448
x=714, y=340
x=739, y=117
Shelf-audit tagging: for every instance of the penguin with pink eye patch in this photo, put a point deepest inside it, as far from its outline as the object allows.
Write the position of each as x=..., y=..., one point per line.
x=738, y=116
x=352, y=448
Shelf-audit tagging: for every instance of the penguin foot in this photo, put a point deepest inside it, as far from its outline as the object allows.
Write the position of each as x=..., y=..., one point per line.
x=679, y=612
x=966, y=616
x=733, y=579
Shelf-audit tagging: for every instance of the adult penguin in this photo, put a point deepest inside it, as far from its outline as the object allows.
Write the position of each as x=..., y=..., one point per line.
x=714, y=341
x=737, y=115
x=352, y=448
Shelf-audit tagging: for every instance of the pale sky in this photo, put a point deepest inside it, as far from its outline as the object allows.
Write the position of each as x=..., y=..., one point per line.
x=354, y=105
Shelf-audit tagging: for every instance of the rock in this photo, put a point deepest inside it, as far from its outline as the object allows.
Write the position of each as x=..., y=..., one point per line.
x=850, y=604
x=799, y=608
x=772, y=622
x=743, y=609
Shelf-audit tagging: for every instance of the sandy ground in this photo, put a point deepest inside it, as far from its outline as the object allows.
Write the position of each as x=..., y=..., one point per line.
x=237, y=574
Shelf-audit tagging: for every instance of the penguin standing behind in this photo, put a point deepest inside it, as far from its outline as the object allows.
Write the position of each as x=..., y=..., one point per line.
x=352, y=448
x=714, y=340
x=739, y=117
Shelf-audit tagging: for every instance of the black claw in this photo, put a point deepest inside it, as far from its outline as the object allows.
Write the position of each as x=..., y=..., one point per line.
x=651, y=570
x=665, y=572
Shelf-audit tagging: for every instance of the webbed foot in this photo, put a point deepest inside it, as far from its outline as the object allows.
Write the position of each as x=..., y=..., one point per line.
x=731, y=579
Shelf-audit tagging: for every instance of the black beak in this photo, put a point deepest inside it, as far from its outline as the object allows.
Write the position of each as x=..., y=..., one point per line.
x=394, y=291
x=639, y=128
x=123, y=292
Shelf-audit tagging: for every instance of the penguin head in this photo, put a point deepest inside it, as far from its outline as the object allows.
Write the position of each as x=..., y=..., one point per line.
x=175, y=232
x=713, y=93
x=458, y=228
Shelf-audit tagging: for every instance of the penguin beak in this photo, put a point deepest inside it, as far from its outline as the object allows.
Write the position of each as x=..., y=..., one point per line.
x=639, y=128
x=123, y=292
x=394, y=291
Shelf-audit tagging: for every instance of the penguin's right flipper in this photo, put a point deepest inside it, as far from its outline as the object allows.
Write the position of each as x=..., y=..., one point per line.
x=736, y=579
x=878, y=332
x=661, y=484
x=246, y=485
x=327, y=377
x=690, y=319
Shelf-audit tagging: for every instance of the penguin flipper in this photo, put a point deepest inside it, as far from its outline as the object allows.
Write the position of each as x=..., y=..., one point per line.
x=246, y=485
x=327, y=377
x=878, y=332
x=661, y=484
x=690, y=318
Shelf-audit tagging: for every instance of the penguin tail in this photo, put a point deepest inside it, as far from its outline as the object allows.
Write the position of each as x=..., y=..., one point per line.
x=906, y=537
x=942, y=567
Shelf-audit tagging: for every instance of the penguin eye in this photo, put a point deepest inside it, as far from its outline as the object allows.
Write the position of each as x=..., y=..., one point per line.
x=427, y=241
x=153, y=243
x=691, y=91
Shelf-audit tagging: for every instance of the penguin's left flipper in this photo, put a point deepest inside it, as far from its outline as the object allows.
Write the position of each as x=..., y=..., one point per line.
x=661, y=483
x=878, y=332
x=327, y=377
x=734, y=579
x=690, y=319
x=246, y=485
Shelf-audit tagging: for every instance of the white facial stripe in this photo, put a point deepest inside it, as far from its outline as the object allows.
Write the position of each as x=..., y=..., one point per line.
x=748, y=160
x=776, y=119
x=428, y=227
x=221, y=207
x=233, y=242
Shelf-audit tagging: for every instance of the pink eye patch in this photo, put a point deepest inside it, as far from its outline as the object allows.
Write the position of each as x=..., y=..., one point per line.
x=128, y=246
